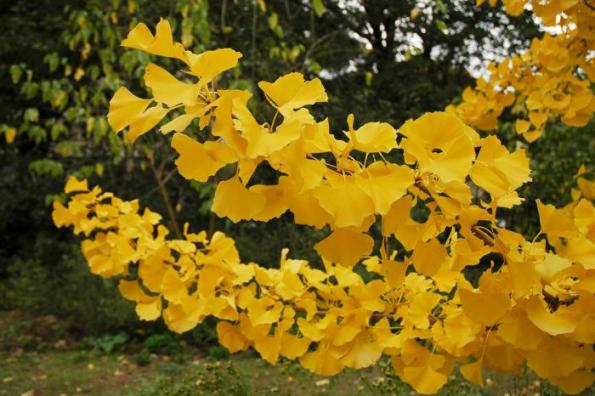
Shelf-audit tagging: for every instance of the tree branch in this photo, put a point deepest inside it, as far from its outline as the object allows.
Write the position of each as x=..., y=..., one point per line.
x=158, y=174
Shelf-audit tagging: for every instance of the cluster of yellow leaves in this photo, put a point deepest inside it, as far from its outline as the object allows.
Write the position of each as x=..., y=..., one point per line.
x=537, y=303
x=551, y=79
x=367, y=299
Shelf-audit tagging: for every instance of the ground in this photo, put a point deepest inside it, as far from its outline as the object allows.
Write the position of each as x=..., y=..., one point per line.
x=33, y=367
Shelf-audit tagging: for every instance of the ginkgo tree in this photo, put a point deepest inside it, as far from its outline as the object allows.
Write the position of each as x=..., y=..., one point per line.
x=389, y=283
x=551, y=79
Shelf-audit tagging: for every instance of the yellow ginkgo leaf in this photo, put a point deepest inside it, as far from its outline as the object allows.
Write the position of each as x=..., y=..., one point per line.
x=145, y=122
x=532, y=135
x=497, y=171
x=178, y=320
x=199, y=110
x=290, y=92
x=568, y=358
x=125, y=108
x=199, y=161
x=516, y=329
x=231, y=337
x=424, y=380
x=364, y=351
x=551, y=323
x=441, y=144
x=484, y=308
x=322, y=361
x=458, y=332
x=268, y=347
x=10, y=134
x=398, y=222
x=348, y=204
x=551, y=265
x=132, y=291
x=178, y=124
x=375, y=137
x=584, y=215
x=75, y=185
x=169, y=90
x=385, y=184
x=173, y=287
x=428, y=257
x=384, y=336
x=307, y=210
x=522, y=126
x=263, y=143
x=394, y=272
x=264, y=311
x=207, y=65
x=293, y=346
x=246, y=168
x=554, y=222
x=61, y=216
x=473, y=372
x=275, y=204
x=162, y=44
x=224, y=125
x=581, y=250
x=149, y=310
x=345, y=246
x=514, y=7
x=575, y=382
x=234, y=201
x=349, y=329
x=421, y=308
x=152, y=269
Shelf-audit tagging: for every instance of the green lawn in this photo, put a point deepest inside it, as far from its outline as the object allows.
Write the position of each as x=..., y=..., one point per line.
x=33, y=367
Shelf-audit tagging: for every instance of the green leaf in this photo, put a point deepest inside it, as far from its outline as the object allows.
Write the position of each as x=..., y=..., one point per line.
x=441, y=7
x=187, y=32
x=30, y=90
x=31, y=115
x=314, y=66
x=16, y=72
x=59, y=99
x=85, y=171
x=57, y=130
x=318, y=7
x=53, y=61
x=68, y=149
x=46, y=166
x=441, y=25
x=273, y=20
x=37, y=134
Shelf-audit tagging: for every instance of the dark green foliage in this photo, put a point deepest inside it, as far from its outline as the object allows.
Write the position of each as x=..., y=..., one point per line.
x=162, y=343
x=206, y=379
x=143, y=358
x=108, y=343
x=218, y=352
x=59, y=283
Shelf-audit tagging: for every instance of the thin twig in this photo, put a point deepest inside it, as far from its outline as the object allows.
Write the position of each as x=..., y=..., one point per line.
x=157, y=173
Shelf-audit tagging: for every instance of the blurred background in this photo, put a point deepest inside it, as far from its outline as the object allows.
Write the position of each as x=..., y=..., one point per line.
x=60, y=63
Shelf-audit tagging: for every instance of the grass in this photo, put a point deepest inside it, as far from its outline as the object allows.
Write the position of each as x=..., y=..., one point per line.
x=67, y=368
x=56, y=372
